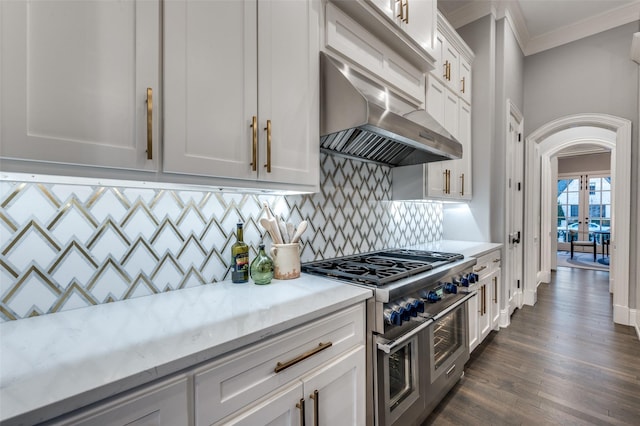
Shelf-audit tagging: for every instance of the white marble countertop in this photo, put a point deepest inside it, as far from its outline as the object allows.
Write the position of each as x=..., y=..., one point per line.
x=58, y=362
x=467, y=248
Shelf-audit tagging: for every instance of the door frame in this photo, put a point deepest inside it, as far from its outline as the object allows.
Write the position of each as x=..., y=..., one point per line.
x=605, y=131
x=513, y=256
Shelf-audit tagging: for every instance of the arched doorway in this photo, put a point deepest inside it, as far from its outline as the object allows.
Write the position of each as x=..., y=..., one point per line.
x=608, y=132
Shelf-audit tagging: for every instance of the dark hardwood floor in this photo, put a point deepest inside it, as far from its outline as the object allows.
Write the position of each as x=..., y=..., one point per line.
x=562, y=361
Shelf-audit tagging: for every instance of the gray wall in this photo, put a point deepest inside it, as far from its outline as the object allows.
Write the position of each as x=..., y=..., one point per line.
x=498, y=75
x=585, y=163
x=473, y=221
x=592, y=75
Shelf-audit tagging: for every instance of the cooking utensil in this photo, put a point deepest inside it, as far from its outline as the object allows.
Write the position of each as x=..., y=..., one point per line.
x=301, y=228
x=274, y=225
x=268, y=226
x=291, y=230
x=286, y=239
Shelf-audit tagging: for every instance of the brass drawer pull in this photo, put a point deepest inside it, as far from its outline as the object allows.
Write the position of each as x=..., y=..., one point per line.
x=482, y=268
x=284, y=365
x=496, y=260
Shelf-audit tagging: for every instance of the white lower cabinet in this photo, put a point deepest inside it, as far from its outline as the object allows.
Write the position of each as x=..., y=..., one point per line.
x=326, y=356
x=331, y=395
x=161, y=404
x=484, y=308
x=474, y=335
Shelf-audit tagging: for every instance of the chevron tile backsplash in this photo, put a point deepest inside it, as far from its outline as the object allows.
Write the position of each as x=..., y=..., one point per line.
x=69, y=246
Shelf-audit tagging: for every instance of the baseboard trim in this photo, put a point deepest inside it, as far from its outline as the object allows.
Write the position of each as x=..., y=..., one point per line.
x=635, y=321
x=622, y=315
x=505, y=318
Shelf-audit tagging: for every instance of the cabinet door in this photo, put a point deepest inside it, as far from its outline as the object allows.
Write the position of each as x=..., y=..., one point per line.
x=162, y=404
x=335, y=394
x=211, y=92
x=464, y=172
x=484, y=316
x=288, y=60
x=474, y=312
x=495, y=299
x=465, y=80
x=451, y=111
x=435, y=99
x=285, y=408
x=74, y=82
x=451, y=58
x=419, y=21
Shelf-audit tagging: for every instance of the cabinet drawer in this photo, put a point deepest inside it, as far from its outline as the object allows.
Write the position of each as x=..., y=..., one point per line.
x=163, y=404
x=488, y=263
x=228, y=384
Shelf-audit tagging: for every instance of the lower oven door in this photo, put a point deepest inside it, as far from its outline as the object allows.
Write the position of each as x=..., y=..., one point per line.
x=400, y=377
x=448, y=351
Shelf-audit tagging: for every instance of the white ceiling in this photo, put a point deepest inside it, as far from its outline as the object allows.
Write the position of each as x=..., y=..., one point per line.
x=543, y=24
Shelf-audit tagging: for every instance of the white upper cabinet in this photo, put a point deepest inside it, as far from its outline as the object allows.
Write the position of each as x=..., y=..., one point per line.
x=417, y=18
x=242, y=90
x=74, y=81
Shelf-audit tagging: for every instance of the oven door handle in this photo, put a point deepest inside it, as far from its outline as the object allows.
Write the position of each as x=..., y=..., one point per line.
x=387, y=346
x=455, y=305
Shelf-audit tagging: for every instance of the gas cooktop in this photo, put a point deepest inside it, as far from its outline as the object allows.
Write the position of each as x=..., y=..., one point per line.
x=380, y=267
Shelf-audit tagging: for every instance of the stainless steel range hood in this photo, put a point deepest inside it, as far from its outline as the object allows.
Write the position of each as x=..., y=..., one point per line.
x=359, y=118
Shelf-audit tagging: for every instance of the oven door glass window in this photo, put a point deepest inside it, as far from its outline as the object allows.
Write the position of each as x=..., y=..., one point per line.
x=401, y=375
x=448, y=336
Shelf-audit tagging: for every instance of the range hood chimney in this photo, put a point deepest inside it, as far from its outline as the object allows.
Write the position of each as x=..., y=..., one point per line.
x=361, y=119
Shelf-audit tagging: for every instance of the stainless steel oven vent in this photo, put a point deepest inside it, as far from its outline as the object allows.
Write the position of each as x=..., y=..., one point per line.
x=362, y=119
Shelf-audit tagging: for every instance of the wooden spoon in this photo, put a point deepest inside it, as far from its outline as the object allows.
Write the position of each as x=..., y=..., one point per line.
x=268, y=226
x=274, y=225
x=301, y=228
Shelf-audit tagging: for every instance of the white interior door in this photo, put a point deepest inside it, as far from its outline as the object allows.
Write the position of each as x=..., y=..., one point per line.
x=513, y=263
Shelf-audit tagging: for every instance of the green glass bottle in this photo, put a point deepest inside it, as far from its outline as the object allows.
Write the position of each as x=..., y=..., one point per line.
x=262, y=267
x=239, y=258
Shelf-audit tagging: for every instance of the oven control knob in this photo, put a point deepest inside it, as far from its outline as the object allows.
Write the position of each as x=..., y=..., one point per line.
x=450, y=288
x=476, y=276
x=417, y=305
x=473, y=278
x=392, y=317
x=433, y=297
x=464, y=282
x=407, y=305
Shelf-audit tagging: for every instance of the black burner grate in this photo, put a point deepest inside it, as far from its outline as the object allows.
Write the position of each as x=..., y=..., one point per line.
x=382, y=267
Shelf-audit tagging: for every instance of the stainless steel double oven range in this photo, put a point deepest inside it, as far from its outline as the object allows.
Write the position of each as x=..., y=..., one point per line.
x=417, y=326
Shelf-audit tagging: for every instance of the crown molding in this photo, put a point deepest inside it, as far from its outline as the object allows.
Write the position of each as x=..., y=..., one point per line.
x=511, y=11
x=585, y=28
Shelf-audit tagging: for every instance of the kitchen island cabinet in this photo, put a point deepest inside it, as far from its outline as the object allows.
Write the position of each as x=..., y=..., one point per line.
x=125, y=353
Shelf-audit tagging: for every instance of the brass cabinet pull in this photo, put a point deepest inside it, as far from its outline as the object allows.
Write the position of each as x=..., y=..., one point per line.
x=462, y=81
x=400, y=11
x=300, y=406
x=446, y=68
x=496, y=260
x=483, y=267
x=462, y=189
x=444, y=182
x=316, y=409
x=484, y=299
x=284, y=365
x=448, y=181
x=254, y=155
x=406, y=15
x=268, y=129
x=495, y=289
x=149, y=123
